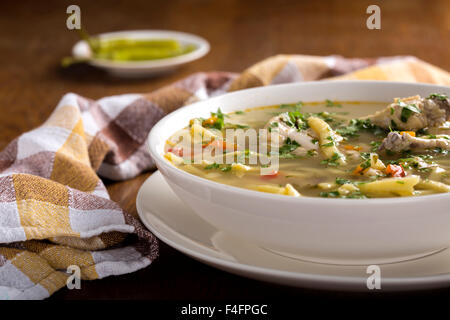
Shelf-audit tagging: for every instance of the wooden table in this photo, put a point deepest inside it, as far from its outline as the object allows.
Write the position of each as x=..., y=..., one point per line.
x=34, y=38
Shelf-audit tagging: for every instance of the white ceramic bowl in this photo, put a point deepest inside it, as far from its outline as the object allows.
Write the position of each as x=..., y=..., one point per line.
x=81, y=50
x=355, y=231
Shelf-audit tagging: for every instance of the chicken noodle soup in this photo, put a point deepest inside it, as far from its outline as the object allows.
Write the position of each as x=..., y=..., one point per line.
x=325, y=149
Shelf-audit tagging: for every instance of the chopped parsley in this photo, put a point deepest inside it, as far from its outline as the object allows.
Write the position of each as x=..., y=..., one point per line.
x=331, y=104
x=364, y=155
x=336, y=194
x=366, y=164
x=375, y=145
x=333, y=161
x=288, y=147
x=355, y=195
x=356, y=125
x=325, y=116
x=296, y=119
x=236, y=126
x=407, y=110
x=273, y=125
x=226, y=168
x=329, y=144
x=239, y=112
x=414, y=162
x=297, y=106
x=342, y=181
x=219, y=122
x=330, y=194
x=212, y=166
x=438, y=96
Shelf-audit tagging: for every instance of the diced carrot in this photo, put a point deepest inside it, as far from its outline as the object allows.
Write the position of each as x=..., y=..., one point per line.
x=218, y=143
x=394, y=170
x=209, y=121
x=358, y=170
x=350, y=147
x=176, y=150
x=271, y=175
x=411, y=133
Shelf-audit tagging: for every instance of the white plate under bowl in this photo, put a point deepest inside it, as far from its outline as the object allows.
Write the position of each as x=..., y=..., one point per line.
x=177, y=225
x=81, y=50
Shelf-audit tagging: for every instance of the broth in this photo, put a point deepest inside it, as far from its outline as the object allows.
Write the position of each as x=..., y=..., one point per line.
x=348, y=163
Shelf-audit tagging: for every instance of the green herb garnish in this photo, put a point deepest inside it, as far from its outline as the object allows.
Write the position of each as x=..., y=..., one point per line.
x=330, y=194
x=329, y=144
x=331, y=104
x=365, y=155
x=311, y=152
x=341, y=181
x=366, y=164
x=226, y=168
x=438, y=96
x=219, y=123
x=407, y=110
x=288, y=147
x=212, y=166
x=375, y=145
x=333, y=161
x=356, y=125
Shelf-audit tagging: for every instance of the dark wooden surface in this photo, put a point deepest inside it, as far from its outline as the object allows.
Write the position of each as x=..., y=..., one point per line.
x=33, y=39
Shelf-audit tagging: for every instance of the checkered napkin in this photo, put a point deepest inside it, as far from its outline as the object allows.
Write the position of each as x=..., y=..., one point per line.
x=54, y=209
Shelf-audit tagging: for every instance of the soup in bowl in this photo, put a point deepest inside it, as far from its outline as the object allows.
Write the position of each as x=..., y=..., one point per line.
x=345, y=172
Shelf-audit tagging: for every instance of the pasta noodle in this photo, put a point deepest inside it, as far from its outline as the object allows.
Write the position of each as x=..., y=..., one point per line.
x=327, y=139
x=387, y=187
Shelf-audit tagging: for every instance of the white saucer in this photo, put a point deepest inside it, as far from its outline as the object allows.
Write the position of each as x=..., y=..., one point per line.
x=81, y=50
x=178, y=226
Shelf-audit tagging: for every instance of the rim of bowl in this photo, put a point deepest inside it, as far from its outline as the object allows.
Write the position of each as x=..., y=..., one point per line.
x=153, y=140
x=202, y=49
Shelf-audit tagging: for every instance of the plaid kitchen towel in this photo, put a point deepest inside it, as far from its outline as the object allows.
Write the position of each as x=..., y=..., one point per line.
x=55, y=211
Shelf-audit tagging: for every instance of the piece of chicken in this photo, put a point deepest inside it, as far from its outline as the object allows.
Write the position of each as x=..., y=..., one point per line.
x=399, y=142
x=305, y=138
x=413, y=113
